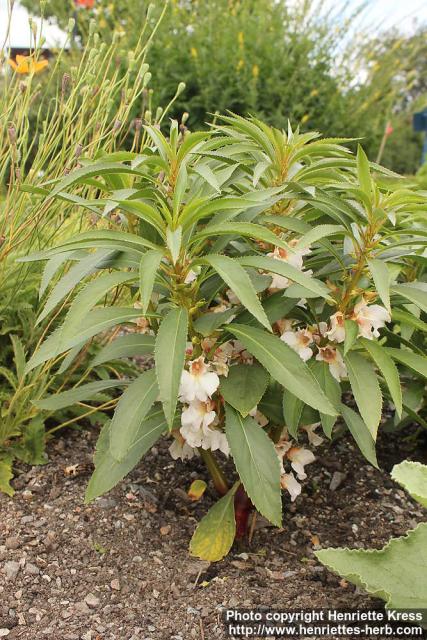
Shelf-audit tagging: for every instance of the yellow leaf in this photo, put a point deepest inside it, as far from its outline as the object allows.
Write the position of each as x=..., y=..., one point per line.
x=197, y=489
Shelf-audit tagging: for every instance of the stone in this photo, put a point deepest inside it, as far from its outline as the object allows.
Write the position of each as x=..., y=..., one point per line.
x=4, y=633
x=11, y=569
x=92, y=601
x=12, y=543
x=115, y=584
x=32, y=569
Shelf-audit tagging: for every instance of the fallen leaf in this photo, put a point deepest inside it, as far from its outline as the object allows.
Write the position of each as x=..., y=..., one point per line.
x=197, y=489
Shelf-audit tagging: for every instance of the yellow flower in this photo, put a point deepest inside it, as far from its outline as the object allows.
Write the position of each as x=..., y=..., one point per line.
x=314, y=93
x=193, y=52
x=241, y=38
x=255, y=71
x=240, y=64
x=26, y=64
x=305, y=118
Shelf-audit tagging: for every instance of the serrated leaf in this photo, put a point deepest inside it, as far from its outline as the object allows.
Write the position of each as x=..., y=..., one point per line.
x=284, y=365
x=132, y=408
x=318, y=233
x=6, y=475
x=396, y=573
x=388, y=369
x=256, y=462
x=174, y=239
x=332, y=389
x=292, y=411
x=169, y=353
x=403, y=317
x=363, y=171
x=413, y=293
x=351, y=332
x=108, y=471
x=207, y=323
x=214, y=536
x=412, y=476
x=411, y=360
x=239, y=282
x=85, y=392
x=73, y=277
x=207, y=174
x=85, y=300
x=18, y=355
x=360, y=433
x=288, y=271
x=129, y=346
x=148, y=268
x=244, y=386
x=366, y=390
x=381, y=276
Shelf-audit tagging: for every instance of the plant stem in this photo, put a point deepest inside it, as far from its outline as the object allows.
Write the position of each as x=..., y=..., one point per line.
x=215, y=472
x=242, y=510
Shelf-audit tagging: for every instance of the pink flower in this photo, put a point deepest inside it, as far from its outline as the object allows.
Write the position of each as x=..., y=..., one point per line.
x=334, y=359
x=199, y=383
x=299, y=457
x=291, y=484
x=299, y=341
x=370, y=318
x=337, y=330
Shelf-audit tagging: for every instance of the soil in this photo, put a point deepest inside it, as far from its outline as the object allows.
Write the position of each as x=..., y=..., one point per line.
x=120, y=569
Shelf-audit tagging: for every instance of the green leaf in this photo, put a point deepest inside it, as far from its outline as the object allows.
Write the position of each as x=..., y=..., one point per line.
x=174, y=238
x=292, y=411
x=73, y=277
x=208, y=323
x=214, y=536
x=271, y=403
x=366, y=390
x=242, y=229
x=412, y=476
x=411, y=360
x=34, y=441
x=129, y=346
x=84, y=302
x=332, y=389
x=256, y=462
x=317, y=233
x=403, y=317
x=239, y=282
x=85, y=392
x=363, y=172
x=288, y=271
x=381, y=276
x=284, y=365
x=351, y=332
x=97, y=320
x=171, y=342
x=130, y=412
x=396, y=573
x=6, y=475
x=360, y=433
x=207, y=174
x=108, y=471
x=413, y=293
x=89, y=171
x=244, y=386
x=388, y=369
x=148, y=267
x=18, y=355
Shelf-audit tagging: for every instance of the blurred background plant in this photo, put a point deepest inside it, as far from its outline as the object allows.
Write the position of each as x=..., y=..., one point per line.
x=317, y=63
x=54, y=116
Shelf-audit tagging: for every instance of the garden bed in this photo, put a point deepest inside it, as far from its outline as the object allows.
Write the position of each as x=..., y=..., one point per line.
x=119, y=568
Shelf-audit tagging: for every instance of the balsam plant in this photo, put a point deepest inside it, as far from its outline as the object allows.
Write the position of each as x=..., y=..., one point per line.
x=265, y=273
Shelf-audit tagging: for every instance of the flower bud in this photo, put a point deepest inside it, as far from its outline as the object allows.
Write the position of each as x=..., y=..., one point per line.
x=78, y=151
x=71, y=25
x=146, y=79
x=181, y=88
x=12, y=134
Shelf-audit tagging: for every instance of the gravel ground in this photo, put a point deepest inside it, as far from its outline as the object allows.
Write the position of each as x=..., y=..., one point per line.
x=119, y=568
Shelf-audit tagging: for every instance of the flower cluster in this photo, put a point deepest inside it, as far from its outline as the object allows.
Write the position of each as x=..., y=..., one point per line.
x=297, y=458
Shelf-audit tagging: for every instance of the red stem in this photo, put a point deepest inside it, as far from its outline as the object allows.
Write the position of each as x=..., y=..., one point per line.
x=242, y=509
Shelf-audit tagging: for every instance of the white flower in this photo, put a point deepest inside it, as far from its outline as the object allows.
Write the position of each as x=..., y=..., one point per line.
x=294, y=257
x=181, y=450
x=198, y=383
x=221, y=358
x=291, y=484
x=299, y=457
x=214, y=440
x=313, y=437
x=259, y=417
x=299, y=341
x=337, y=330
x=334, y=359
x=194, y=419
x=190, y=277
x=370, y=318
x=281, y=449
